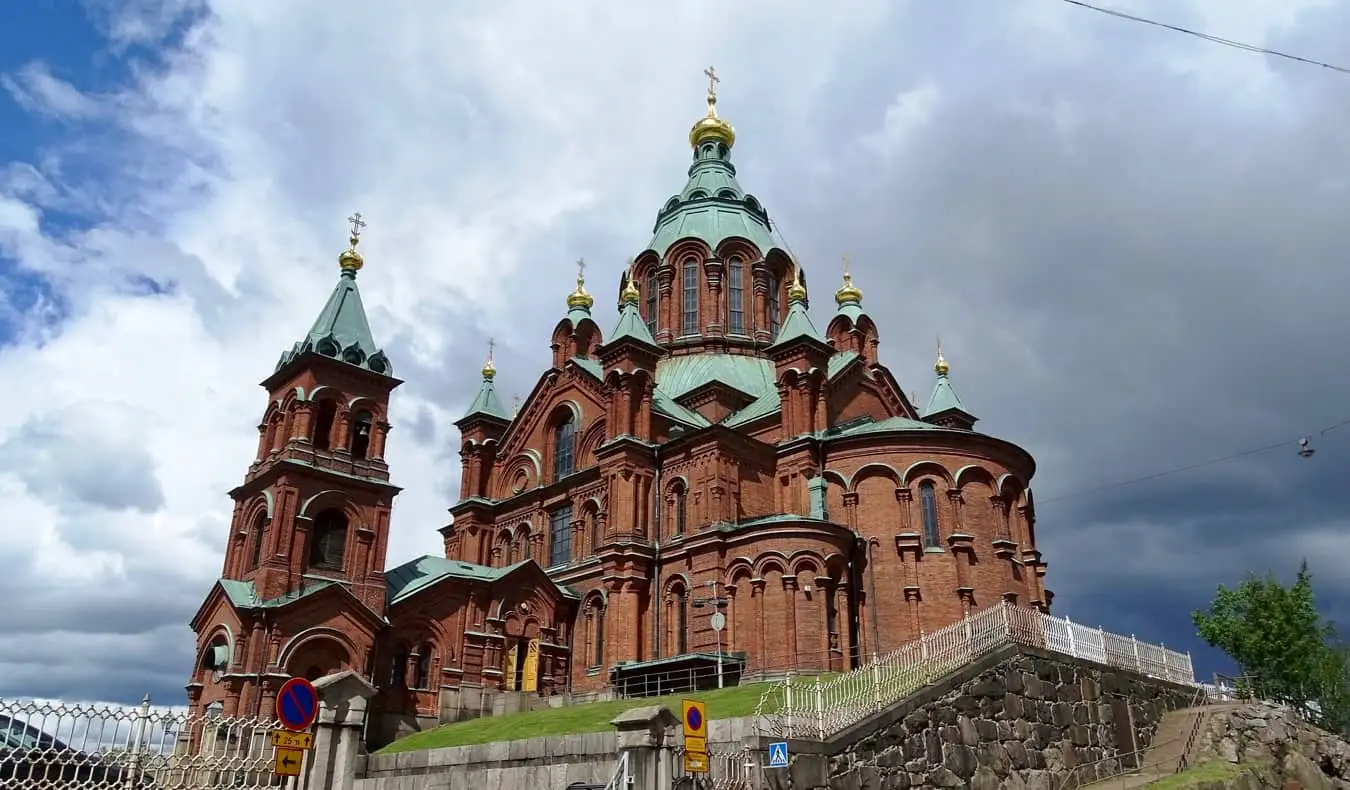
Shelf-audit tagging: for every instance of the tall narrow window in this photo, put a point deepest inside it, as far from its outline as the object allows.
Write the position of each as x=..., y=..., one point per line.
x=831, y=615
x=599, y=647
x=360, y=439
x=651, y=302
x=681, y=509
x=398, y=671
x=681, y=622
x=564, y=441
x=689, y=326
x=328, y=541
x=423, y=677
x=324, y=416
x=560, y=536
x=507, y=556
x=736, y=296
x=597, y=537
x=259, y=532
x=775, y=304
x=928, y=501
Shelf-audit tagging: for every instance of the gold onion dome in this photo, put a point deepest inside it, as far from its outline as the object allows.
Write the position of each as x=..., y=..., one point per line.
x=580, y=299
x=848, y=292
x=941, y=367
x=710, y=127
x=350, y=259
x=489, y=369
x=796, y=291
x=630, y=294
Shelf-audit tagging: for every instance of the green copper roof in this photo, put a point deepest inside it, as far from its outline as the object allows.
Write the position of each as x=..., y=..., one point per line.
x=631, y=327
x=753, y=376
x=419, y=574
x=838, y=362
x=944, y=399
x=243, y=595
x=342, y=331
x=712, y=207
x=797, y=326
x=851, y=309
x=486, y=403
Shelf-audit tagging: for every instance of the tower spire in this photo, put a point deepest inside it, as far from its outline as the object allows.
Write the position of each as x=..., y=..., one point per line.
x=630, y=292
x=941, y=367
x=711, y=127
x=486, y=402
x=350, y=260
x=489, y=369
x=944, y=407
x=848, y=292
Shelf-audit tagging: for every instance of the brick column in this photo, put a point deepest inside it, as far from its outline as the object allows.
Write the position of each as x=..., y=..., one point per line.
x=790, y=604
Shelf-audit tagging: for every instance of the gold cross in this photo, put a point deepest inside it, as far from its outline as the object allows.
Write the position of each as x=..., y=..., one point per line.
x=713, y=79
x=847, y=273
x=581, y=271
x=357, y=225
x=491, y=345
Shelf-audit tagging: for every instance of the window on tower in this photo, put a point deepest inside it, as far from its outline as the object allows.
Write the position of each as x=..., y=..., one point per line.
x=360, y=439
x=564, y=447
x=928, y=502
x=324, y=416
x=328, y=541
x=422, y=679
x=256, y=535
x=681, y=509
x=689, y=284
x=651, y=302
x=560, y=536
x=736, y=295
x=775, y=304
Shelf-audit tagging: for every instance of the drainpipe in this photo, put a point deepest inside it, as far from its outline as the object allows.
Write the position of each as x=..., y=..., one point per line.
x=872, y=598
x=262, y=665
x=654, y=575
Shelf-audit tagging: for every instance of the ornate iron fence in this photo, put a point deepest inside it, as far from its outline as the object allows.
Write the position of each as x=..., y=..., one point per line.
x=46, y=745
x=820, y=708
x=729, y=768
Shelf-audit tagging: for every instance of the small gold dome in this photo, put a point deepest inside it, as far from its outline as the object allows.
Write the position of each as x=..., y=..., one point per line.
x=796, y=291
x=580, y=299
x=489, y=369
x=710, y=127
x=630, y=294
x=350, y=259
x=848, y=292
x=941, y=367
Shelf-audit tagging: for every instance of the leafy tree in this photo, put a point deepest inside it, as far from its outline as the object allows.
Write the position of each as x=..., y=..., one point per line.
x=1285, y=651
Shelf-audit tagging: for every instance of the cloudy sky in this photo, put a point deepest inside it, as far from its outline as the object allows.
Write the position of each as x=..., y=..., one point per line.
x=1132, y=242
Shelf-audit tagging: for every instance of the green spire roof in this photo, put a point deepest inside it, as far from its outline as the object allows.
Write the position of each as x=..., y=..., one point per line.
x=486, y=403
x=943, y=401
x=630, y=325
x=712, y=206
x=342, y=331
x=797, y=325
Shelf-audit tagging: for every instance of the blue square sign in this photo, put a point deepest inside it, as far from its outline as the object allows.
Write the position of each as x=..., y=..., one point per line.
x=778, y=754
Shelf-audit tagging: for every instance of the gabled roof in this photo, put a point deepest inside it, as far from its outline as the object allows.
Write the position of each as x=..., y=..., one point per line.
x=416, y=575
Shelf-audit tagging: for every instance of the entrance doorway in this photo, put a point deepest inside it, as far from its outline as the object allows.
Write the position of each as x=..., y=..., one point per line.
x=522, y=665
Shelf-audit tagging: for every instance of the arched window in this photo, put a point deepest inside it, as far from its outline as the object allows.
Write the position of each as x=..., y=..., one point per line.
x=597, y=537
x=680, y=511
x=775, y=304
x=422, y=677
x=689, y=322
x=360, y=438
x=398, y=669
x=598, y=636
x=831, y=614
x=324, y=416
x=736, y=295
x=257, y=534
x=328, y=541
x=651, y=302
x=507, y=555
x=928, y=502
x=681, y=622
x=564, y=445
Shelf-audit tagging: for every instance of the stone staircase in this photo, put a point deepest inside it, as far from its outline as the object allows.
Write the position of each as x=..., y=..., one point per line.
x=1170, y=743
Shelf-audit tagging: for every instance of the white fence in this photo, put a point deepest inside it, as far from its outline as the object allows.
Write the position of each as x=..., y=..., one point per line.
x=728, y=769
x=820, y=708
x=49, y=745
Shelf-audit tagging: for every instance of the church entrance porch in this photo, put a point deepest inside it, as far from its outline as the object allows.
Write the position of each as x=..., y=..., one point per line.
x=677, y=674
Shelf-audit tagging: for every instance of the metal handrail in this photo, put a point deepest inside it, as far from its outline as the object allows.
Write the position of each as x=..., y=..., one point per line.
x=1073, y=772
x=1200, y=699
x=620, y=780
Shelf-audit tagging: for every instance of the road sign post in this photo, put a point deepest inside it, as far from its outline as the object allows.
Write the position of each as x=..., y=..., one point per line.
x=695, y=736
x=288, y=762
x=297, y=704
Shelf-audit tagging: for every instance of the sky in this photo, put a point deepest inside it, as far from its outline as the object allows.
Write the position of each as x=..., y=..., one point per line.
x=1130, y=240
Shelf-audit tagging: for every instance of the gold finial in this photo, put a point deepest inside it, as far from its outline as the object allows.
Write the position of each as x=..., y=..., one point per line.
x=350, y=260
x=579, y=299
x=796, y=291
x=630, y=294
x=848, y=292
x=489, y=369
x=941, y=367
x=710, y=127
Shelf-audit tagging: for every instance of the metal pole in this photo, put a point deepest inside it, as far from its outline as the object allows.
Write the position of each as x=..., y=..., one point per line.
x=717, y=609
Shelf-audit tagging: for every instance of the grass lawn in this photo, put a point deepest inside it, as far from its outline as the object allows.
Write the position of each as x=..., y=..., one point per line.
x=728, y=703
x=1210, y=771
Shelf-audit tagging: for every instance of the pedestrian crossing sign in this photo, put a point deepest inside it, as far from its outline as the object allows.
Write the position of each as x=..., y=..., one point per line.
x=778, y=754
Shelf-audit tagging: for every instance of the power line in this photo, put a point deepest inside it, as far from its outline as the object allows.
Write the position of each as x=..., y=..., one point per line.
x=1227, y=42
x=1198, y=465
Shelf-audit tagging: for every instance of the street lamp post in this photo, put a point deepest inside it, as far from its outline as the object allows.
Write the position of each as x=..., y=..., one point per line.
x=718, y=621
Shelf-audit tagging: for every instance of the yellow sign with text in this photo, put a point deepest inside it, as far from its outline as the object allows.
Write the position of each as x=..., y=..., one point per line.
x=696, y=745
x=696, y=762
x=288, y=761
x=285, y=739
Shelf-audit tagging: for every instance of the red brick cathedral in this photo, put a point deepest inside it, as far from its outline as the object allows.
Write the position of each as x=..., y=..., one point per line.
x=713, y=453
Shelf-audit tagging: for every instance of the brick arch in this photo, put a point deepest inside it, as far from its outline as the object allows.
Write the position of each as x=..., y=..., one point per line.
x=642, y=266
x=875, y=469
x=218, y=630
x=264, y=503
x=739, y=245
x=973, y=473
x=588, y=337
x=421, y=629
x=568, y=405
x=527, y=461
x=590, y=441
x=334, y=499
x=310, y=636
x=562, y=332
x=791, y=376
x=771, y=560
x=921, y=468
x=836, y=477
x=362, y=403
x=676, y=580
x=778, y=263
x=805, y=560
x=1011, y=487
x=685, y=248
x=527, y=626
x=836, y=566
x=741, y=567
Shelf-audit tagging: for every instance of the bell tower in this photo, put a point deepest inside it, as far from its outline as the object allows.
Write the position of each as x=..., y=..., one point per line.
x=314, y=507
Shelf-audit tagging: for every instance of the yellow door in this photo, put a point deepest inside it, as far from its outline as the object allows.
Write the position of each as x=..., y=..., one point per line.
x=531, y=681
x=511, y=667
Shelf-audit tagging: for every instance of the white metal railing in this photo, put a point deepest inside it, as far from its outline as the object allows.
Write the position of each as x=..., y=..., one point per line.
x=622, y=777
x=728, y=769
x=820, y=708
x=73, y=746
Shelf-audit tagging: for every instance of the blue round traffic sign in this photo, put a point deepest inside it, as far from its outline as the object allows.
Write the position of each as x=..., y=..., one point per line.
x=297, y=704
x=693, y=719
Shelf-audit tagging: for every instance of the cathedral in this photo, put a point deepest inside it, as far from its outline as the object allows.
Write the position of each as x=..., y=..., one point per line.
x=714, y=490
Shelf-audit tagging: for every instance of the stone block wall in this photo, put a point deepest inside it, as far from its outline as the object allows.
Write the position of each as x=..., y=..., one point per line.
x=1016, y=718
